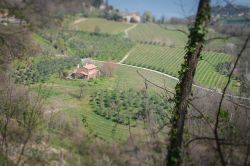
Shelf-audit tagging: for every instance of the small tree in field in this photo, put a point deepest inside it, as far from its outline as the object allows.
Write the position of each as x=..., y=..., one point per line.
x=97, y=30
x=108, y=68
x=82, y=88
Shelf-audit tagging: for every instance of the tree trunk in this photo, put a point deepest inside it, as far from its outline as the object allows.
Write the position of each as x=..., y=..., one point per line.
x=184, y=87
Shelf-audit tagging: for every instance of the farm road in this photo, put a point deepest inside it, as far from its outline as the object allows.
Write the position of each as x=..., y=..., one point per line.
x=196, y=86
x=129, y=29
x=79, y=21
x=127, y=55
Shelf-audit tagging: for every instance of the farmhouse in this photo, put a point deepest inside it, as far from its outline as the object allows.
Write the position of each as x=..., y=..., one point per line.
x=88, y=71
x=131, y=17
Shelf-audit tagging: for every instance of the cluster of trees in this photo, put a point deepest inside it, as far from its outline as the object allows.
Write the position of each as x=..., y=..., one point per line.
x=20, y=121
x=41, y=71
x=177, y=20
x=149, y=17
x=47, y=12
x=114, y=15
x=161, y=43
x=223, y=68
x=126, y=107
x=108, y=68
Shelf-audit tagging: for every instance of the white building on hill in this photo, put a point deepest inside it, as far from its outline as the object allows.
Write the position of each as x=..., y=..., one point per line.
x=131, y=17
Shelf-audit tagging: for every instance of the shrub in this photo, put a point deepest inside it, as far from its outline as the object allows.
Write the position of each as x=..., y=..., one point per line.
x=41, y=71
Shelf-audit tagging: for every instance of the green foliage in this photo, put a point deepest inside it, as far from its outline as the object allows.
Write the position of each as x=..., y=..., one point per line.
x=245, y=87
x=186, y=77
x=126, y=107
x=40, y=72
x=147, y=16
x=99, y=46
x=223, y=68
x=45, y=45
x=125, y=78
x=5, y=162
x=97, y=3
x=59, y=45
x=115, y=16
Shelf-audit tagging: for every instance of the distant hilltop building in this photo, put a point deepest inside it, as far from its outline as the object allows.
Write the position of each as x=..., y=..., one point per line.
x=131, y=17
x=103, y=7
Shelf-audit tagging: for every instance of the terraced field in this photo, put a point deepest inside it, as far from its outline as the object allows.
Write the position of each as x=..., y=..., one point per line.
x=154, y=33
x=105, y=26
x=169, y=60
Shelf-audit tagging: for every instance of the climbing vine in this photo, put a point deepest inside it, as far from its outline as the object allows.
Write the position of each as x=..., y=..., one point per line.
x=186, y=76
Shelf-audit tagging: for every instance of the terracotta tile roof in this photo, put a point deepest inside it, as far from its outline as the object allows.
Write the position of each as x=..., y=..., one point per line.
x=84, y=70
x=81, y=71
x=89, y=66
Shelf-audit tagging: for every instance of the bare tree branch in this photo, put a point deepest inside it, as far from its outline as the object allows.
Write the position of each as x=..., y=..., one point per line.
x=178, y=30
x=239, y=104
x=158, y=86
x=218, y=38
x=216, y=134
x=203, y=116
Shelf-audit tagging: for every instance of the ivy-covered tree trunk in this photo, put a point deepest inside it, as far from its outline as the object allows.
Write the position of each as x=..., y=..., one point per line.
x=184, y=87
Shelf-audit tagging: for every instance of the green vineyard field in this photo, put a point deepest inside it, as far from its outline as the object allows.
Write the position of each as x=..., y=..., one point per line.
x=154, y=33
x=168, y=60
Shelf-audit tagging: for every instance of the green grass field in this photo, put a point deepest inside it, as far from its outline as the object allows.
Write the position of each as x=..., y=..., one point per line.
x=63, y=96
x=154, y=33
x=105, y=26
x=169, y=60
x=170, y=35
x=40, y=39
x=62, y=93
x=127, y=77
